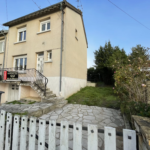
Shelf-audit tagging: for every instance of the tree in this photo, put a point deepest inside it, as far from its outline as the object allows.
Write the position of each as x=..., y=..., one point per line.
x=106, y=59
x=131, y=79
x=139, y=52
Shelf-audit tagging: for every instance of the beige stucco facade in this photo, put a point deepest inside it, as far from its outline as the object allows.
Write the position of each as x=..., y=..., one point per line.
x=74, y=55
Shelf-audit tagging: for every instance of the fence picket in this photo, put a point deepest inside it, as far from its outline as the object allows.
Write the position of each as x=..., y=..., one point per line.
x=15, y=133
x=110, y=138
x=23, y=136
x=41, y=141
x=2, y=128
x=129, y=139
x=92, y=137
x=77, y=137
x=64, y=136
x=32, y=133
x=8, y=131
x=129, y=136
x=52, y=132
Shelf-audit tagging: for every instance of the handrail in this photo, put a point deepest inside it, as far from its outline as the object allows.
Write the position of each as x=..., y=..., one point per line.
x=30, y=75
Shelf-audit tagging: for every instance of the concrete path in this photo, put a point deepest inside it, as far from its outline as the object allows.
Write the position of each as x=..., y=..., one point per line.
x=86, y=115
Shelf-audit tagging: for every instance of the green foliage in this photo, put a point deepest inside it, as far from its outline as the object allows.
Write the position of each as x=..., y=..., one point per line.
x=18, y=102
x=139, y=52
x=96, y=96
x=14, y=102
x=106, y=59
x=91, y=70
x=135, y=108
x=20, y=114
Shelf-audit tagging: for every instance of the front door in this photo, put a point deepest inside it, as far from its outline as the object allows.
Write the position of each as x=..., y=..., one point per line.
x=40, y=62
x=13, y=92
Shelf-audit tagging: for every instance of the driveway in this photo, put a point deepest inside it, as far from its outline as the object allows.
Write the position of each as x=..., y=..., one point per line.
x=87, y=115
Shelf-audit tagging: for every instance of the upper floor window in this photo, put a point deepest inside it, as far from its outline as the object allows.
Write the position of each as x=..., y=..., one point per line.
x=45, y=26
x=22, y=34
x=2, y=46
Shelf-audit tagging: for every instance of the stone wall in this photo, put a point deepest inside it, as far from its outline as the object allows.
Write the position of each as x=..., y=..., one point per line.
x=142, y=126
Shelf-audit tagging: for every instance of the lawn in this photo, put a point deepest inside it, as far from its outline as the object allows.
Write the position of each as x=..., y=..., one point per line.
x=96, y=96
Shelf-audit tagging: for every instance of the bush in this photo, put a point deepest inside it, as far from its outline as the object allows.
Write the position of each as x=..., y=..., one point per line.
x=135, y=108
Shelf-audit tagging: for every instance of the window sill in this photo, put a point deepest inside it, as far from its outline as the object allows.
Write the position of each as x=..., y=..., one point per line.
x=20, y=42
x=43, y=32
x=49, y=61
x=1, y=52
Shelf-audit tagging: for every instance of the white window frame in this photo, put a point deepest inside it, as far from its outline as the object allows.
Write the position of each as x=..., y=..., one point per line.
x=45, y=22
x=48, y=54
x=19, y=62
x=3, y=43
x=21, y=30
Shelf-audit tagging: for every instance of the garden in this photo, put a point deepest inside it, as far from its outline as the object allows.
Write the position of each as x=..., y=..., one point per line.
x=125, y=78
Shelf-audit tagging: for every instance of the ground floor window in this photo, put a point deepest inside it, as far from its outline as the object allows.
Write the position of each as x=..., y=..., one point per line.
x=20, y=63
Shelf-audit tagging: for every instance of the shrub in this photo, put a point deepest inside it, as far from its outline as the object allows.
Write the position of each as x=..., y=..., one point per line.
x=135, y=108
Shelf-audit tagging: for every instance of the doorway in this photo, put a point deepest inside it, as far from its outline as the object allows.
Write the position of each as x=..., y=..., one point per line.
x=40, y=62
x=13, y=92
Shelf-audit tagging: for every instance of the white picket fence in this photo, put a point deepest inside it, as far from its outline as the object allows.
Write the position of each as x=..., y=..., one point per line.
x=10, y=140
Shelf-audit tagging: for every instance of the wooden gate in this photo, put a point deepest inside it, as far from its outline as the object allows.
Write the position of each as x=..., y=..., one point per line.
x=14, y=130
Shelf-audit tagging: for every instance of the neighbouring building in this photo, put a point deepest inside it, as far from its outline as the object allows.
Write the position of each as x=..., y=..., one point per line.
x=47, y=48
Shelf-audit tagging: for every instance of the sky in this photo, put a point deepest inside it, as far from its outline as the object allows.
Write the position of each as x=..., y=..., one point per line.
x=103, y=21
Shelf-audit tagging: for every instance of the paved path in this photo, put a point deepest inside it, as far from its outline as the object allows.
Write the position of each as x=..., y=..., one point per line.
x=87, y=115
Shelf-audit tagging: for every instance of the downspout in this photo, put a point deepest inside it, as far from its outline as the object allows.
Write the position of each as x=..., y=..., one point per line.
x=62, y=29
x=4, y=56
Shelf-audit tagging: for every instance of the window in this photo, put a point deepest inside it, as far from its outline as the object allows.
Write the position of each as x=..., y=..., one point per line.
x=45, y=26
x=21, y=34
x=49, y=55
x=20, y=63
x=2, y=46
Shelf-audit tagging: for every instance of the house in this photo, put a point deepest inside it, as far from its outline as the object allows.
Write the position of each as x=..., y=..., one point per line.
x=48, y=50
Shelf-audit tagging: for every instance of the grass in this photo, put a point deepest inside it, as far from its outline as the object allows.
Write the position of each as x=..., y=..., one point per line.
x=96, y=96
x=20, y=114
x=14, y=102
x=18, y=102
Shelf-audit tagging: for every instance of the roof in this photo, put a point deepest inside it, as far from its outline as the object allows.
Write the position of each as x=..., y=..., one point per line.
x=42, y=12
x=2, y=32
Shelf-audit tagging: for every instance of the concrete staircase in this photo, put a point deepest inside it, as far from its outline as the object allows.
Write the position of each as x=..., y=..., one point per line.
x=50, y=96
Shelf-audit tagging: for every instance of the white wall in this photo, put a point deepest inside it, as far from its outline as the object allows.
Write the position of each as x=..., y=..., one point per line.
x=69, y=85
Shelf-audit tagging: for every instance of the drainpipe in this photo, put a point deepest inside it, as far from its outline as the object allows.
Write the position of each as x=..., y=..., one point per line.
x=62, y=28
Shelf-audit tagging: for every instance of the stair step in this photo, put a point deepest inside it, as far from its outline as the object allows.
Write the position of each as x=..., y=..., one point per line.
x=49, y=96
x=53, y=100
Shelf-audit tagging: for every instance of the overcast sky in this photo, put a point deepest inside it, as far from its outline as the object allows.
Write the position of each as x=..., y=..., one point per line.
x=103, y=21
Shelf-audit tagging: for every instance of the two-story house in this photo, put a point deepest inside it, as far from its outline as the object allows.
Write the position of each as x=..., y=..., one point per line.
x=47, y=48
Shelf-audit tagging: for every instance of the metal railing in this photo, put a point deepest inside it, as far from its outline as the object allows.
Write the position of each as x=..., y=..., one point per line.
x=30, y=75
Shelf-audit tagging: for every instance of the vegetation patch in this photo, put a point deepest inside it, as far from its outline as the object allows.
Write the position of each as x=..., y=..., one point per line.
x=96, y=96
x=20, y=114
x=14, y=102
x=18, y=102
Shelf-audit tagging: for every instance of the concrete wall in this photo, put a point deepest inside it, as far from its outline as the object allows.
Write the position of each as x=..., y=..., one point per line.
x=69, y=85
x=27, y=91
x=4, y=88
x=75, y=51
x=91, y=84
